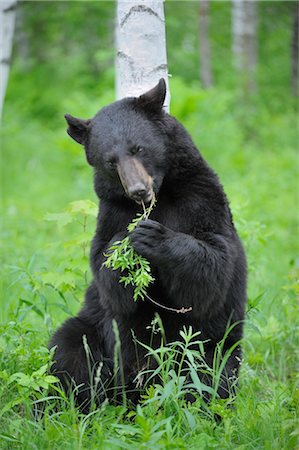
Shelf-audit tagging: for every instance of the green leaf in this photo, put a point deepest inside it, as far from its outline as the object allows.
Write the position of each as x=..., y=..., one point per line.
x=85, y=207
x=20, y=378
x=41, y=371
x=190, y=418
x=11, y=404
x=50, y=379
x=61, y=219
x=9, y=437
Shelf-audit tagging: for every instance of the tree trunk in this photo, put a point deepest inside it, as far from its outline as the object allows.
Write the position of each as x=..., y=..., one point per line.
x=141, y=47
x=21, y=40
x=244, y=26
x=204, y=44
x=7, y=24
x=295, y=58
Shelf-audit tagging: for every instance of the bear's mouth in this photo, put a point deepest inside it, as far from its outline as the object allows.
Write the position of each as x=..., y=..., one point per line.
x=146, y=199
x=137, y=183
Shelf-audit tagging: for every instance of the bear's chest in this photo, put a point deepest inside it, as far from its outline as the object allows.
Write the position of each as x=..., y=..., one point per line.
x=178, y=216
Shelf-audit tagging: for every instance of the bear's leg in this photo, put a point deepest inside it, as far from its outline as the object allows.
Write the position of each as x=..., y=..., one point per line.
x=80, y=361
x=229, y=378
x=226, y=382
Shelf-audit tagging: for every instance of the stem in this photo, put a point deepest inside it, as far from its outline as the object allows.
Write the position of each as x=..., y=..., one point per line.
x=144, y=209
x=183, y=310
x=146, y=212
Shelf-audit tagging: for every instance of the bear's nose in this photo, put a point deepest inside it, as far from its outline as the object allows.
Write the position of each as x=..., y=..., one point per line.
x=138, y=191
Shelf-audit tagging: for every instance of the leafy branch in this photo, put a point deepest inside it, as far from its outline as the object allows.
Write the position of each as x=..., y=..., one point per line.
x=122, y=256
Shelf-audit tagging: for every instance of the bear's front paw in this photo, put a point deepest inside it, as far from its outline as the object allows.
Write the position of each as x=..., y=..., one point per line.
x=148, y=238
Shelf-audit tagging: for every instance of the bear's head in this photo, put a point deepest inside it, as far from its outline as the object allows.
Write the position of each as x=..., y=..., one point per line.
x=126, y=144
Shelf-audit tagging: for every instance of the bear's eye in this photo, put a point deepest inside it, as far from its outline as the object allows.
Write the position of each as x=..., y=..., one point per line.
x=110, y=163
x=136, y=150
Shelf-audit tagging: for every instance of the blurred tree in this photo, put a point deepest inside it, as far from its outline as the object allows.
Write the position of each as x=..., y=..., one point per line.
x=21, y=41
x=295, y=59
x=7, y=25
x=141, y=47
x=204, y=44
x=244, y=24
x=59, y=55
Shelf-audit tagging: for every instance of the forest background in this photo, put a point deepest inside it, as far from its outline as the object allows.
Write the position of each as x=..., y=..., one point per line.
x=63, y=62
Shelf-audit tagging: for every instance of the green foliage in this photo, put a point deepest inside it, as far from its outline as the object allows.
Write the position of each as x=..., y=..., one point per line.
x=178, y=364
x=121, y=256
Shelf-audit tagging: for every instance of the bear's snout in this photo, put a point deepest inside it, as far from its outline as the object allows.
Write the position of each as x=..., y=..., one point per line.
x=137, y=183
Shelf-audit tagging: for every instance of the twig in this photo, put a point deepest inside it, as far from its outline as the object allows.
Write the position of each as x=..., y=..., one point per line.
x=183, y=310
x=146, y=213
x=144, y=209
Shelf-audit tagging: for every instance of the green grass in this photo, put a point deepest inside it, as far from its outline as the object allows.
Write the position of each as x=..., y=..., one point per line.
x=46, y=234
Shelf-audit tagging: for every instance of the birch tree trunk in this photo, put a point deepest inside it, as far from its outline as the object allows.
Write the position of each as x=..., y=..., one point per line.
x=21, y=39
x=7, y=24
x=295, y=52
x=244, y=26
x=141, y=47
x=204, y=44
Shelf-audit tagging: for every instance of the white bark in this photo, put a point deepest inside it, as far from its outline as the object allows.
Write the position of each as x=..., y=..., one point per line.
x=7, y=24
x=204, y=44
x=141, y=47
x=244, y=27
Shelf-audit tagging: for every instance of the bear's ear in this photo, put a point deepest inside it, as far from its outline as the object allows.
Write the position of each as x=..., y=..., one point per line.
x=153, y=100
x=77, y=128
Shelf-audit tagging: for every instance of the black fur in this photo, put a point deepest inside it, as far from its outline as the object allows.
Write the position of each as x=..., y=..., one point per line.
x=190, y=241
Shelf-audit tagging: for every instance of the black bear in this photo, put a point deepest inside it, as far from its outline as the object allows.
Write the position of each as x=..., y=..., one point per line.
x=139, y=151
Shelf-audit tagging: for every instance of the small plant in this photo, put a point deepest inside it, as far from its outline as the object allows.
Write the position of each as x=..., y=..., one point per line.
x=121, y=255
